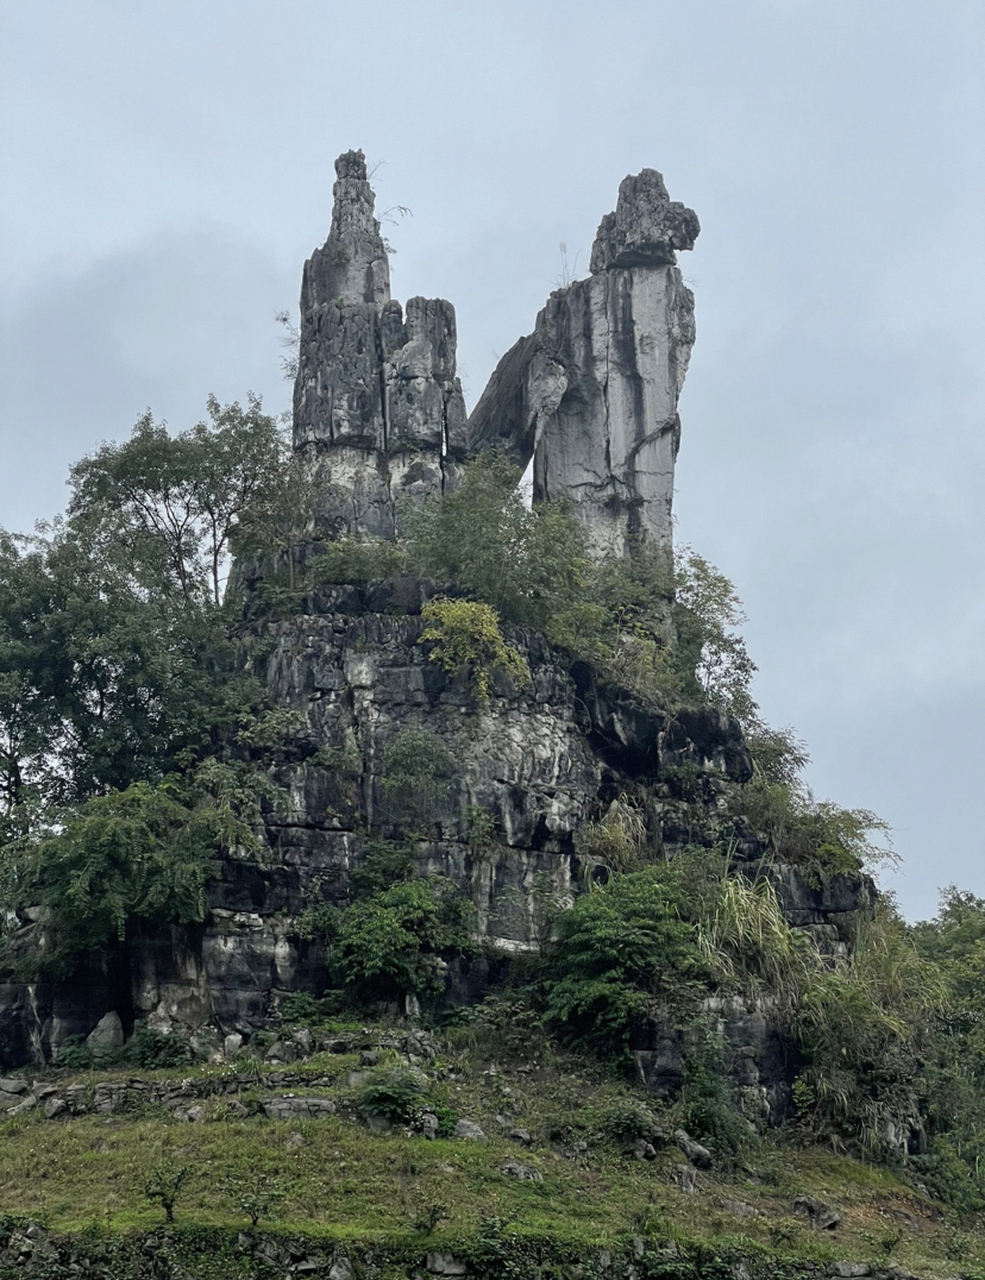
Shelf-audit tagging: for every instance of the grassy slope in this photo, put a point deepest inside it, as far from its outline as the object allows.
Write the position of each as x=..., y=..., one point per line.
x=341, y=1182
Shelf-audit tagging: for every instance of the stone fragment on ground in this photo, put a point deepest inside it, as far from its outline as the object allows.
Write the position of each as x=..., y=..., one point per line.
x=821, y=1216
x=468, y=1131
x=698, y=1155
x=525, y=1172
x=686, y=1177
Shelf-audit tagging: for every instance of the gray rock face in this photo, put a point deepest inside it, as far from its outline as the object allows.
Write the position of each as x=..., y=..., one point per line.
x=468, y=1131
x=106, y=1037
x=592, y=394
x=377, y=404
x=646, y=227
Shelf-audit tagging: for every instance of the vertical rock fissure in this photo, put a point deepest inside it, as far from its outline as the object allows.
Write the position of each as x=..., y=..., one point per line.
x=607, y=348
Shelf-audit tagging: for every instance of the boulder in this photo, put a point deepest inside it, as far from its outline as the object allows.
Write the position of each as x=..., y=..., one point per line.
x=525, y=1172
x=106, y=1038
x=821, y=1216
x=468, y=1131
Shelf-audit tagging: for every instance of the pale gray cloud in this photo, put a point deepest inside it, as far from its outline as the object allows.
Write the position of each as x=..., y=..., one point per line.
x=167, y=169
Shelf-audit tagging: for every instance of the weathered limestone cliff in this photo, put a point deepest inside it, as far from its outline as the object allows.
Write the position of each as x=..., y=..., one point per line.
x=591, y=397
x=378, y=409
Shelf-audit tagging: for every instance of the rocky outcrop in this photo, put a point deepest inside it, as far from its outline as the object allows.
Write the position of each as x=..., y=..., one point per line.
x=591, y=395
x=591, y=398
x=378, y=408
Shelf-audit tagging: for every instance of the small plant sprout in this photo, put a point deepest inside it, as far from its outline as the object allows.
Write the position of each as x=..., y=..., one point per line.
x=254, y=1194
x=431, y=1217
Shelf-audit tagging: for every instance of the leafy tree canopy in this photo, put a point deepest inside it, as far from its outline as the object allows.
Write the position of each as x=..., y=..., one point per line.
x=173, y=501
x=122, y=711
x=389, y=945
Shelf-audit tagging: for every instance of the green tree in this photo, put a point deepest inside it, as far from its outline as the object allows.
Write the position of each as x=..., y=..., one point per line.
x=164, y=1186
x=276, y=519
x=389, y=945
x=29, y=720
x=954, y=942
x=531, y=565
x=132, y=858
x=129, y=740
x=711, y=654
x=103, y=680
x=177, y=499
x=622, y=953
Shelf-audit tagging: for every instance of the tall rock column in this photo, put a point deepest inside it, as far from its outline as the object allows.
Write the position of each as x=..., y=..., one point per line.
x=377, y=405
x=591, y=395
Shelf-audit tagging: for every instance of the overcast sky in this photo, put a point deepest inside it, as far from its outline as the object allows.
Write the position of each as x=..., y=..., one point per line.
x=166, y=166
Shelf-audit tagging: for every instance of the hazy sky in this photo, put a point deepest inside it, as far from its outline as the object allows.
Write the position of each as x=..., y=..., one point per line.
x=166, y=167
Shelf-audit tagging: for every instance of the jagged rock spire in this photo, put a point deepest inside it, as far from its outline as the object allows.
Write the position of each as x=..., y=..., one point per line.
x=378, y=409
x=356, y=267
x=646, y=227
x=591, y=395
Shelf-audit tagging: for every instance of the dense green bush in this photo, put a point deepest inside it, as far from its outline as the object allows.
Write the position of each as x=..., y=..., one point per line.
x=153, y=1049
x=812, y=833
x=667, y=631
x=73, y=1054
x=464, y=635
x=393, y=943
x=384, y=863
x=627, y=1121
x=622, y=953
x=355, y=559
x=301, y=1008
x=866, y=1029
x=531, y=565
x=134, y=858
x=396, y=1094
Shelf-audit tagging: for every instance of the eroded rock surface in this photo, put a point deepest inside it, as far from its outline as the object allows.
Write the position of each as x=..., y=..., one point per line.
x=378, y=408
x=591, y=395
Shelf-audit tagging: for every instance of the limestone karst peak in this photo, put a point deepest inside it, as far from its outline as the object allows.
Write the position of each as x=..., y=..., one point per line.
x=646, y=227
x=351, y=164
x=591, y=395
x=352, y=266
